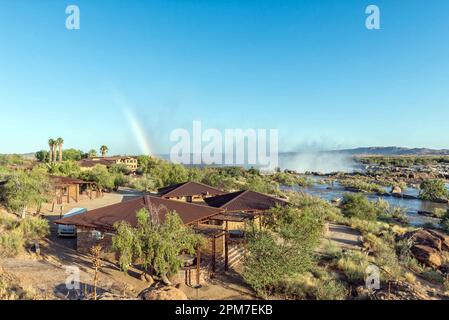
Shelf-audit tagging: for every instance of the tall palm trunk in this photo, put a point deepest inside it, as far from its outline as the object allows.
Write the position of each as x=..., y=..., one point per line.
x=54, y=153
x=60, y=152
x=50, y=154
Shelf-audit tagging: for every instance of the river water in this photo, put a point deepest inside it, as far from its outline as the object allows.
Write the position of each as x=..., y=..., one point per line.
x=328, y=192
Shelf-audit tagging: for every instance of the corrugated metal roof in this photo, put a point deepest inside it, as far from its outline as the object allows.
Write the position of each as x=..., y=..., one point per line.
x=59, y=180
x=245, y=200
x=105, y=218
x=190, y=188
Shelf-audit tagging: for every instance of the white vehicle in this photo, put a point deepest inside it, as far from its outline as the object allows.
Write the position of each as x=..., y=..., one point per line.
x=66, y=230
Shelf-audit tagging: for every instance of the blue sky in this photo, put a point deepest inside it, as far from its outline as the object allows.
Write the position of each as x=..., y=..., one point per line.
x=308, y=68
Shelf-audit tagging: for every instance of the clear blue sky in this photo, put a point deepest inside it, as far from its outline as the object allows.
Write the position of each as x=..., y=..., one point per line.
x=308, y=68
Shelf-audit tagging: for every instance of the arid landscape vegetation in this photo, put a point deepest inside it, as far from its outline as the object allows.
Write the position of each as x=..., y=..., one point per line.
x=392, y=213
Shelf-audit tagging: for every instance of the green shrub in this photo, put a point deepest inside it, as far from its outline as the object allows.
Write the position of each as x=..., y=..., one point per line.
x=34, y=228
x=286, y=247
x=307, y=286
x=358, y=206
x=432, y=276
x=446, y=284
x=361, y=185
x=439, y=213
x=11, y=243
x=385, y=256
x=16, y=234
x=433, y=190
x=353, y=264
x=331, y=250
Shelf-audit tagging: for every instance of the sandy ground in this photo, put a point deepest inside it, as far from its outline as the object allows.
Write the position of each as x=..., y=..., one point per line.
x=344, y=237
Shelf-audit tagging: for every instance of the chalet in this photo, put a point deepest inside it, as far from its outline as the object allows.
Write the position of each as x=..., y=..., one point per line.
x=189, y=191
x=219, y=222
x=240, y=207
x=97, y=227
x=69, y=189
x=129, y=162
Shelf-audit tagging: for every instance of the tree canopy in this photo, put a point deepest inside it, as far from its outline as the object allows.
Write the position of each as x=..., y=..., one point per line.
x=156, y=244
x=25, y=189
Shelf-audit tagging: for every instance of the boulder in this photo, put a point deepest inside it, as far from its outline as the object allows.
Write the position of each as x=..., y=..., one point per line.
x=444, y=238
x=396, y=189
x=427, y=255
x=164, y=293
x=425, y=238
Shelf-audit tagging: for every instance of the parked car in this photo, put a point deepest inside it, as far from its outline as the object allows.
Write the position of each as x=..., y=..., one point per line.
x=66, y=230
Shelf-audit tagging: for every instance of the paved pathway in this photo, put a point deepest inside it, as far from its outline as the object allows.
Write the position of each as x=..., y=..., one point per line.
x=343, y=236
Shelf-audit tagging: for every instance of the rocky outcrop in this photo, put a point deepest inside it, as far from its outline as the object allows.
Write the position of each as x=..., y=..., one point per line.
x=443, y=237
x=425, y=238
x=427, y=255
x=428, y=246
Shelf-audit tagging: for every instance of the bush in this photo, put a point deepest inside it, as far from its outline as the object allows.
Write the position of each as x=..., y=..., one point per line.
x=307, y=286
x=286, y=247
x=100, y=174
x=432, y=190
x=446, y=284
x=264, y=265
x=439, y=213
x=445, y=221
x=34, y=228
x=16, y=234
x=357, y=205
x=353, y=264
x=331, y=250
x=385, y=256
x=11, y=243
x=24, y=190
x=361, y=185
x=432, y=276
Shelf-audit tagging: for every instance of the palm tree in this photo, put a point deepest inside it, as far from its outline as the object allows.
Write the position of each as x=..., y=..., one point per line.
x=51, y=144
x=60, y=142
x=104, y=149
x=55, y=145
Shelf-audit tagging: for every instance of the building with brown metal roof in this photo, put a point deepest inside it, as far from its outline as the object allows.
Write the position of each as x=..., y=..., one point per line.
x=129, y=162
x=245, y=201
x=68, y=189
x=240, y=208
x=103, y=219
x=190, y=191
x=96, y=227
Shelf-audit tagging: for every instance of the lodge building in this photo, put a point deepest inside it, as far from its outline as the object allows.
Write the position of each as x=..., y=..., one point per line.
x=221, y=219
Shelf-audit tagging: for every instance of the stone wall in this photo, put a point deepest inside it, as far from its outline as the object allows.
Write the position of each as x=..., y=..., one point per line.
x=86, y=239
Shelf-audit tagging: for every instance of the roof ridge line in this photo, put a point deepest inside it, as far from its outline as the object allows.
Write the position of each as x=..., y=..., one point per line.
x=237, y=196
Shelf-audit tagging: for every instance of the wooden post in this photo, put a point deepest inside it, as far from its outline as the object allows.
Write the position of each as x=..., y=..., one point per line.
x=53, y=206
x=198, y=265
x=77, y=192
x=226, y=246
x=213, y=253
x=68, y=194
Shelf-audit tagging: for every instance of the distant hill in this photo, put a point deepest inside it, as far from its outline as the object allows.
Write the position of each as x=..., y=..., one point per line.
x=393, y=151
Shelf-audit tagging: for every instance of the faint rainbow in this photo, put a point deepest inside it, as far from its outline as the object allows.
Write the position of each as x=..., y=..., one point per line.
x=138, y=131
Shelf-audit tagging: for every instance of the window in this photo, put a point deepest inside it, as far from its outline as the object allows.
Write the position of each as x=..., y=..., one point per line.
x=97, y=235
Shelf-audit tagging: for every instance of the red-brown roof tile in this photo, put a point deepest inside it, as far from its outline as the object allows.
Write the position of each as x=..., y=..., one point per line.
x=105, y=218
